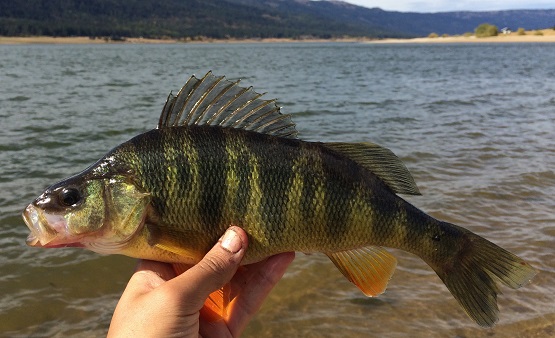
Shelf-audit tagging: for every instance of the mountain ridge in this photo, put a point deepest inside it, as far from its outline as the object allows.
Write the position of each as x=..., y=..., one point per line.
x=244, y=19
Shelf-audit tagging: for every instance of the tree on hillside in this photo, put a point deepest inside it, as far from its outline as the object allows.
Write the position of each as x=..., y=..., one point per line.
x=485, y=30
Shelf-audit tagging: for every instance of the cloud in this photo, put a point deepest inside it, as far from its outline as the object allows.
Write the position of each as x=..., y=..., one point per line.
x=447, y=6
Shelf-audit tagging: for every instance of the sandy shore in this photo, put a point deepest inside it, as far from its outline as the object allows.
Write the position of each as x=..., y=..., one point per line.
x=547, y=35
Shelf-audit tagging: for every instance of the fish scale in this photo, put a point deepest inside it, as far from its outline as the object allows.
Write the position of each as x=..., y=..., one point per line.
x=273, y=181
x=223, y=156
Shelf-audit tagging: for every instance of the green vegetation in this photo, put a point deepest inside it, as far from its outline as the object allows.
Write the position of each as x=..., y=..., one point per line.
x=433, y=35
x=485, y=30
x=190, y=20
x=468, y=34
x=521, y=31
x=183, y=19
x=444, y=35
x=538, y=33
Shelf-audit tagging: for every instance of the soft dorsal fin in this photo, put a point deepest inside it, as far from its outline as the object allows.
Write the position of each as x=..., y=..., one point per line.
x=380, y=161
x=215, y=101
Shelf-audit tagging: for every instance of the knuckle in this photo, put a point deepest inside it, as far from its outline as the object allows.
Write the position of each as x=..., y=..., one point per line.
x=214, y=264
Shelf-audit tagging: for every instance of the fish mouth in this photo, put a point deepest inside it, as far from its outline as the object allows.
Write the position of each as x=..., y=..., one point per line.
x=45, y=228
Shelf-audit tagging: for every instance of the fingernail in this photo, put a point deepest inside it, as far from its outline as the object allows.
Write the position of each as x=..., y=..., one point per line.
x=231, y=241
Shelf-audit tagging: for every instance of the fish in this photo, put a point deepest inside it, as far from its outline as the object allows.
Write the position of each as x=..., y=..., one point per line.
x=220, y=156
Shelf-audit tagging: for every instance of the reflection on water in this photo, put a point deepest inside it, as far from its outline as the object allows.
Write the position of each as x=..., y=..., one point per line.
x=474, y=127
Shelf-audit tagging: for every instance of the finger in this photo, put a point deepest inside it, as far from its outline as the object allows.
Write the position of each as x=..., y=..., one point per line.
x=258, y=281
x=148, y=276
x=164, y=270
x=213, y=271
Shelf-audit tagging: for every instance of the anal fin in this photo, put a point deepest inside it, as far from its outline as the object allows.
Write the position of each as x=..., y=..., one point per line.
x=369, y=268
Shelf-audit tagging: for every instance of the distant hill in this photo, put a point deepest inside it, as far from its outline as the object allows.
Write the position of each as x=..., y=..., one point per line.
x=406, y=23
x=243, y=19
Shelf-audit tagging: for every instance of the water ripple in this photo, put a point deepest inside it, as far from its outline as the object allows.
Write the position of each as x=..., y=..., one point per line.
x=474, y=127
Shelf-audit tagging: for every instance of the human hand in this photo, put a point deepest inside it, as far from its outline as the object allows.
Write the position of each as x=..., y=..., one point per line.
x=157, y=303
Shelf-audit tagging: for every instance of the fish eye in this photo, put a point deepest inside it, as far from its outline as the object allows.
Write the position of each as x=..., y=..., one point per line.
x=70, y=196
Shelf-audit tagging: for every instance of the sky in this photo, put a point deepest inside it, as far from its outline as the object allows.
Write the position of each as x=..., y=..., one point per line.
x=451, y=5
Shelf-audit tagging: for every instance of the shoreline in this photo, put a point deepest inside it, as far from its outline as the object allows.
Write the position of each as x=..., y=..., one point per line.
x=50, y=40
x=547, y=36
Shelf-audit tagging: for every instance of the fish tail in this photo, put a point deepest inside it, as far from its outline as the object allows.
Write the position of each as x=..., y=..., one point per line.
x=470, y=274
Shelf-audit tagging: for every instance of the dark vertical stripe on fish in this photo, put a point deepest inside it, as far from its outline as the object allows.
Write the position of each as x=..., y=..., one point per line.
x=275, y=180
x=209, y=143
x=148, y=167
x=338, y=193
x=240, y=205
x=184, y=174
x=238, y=173
x=310, y=169
x=384, y=209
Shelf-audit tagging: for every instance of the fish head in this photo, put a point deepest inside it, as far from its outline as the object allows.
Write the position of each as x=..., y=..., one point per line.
x=99, y=213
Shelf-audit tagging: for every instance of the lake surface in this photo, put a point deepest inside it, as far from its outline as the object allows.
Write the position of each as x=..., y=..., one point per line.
x=475, y=124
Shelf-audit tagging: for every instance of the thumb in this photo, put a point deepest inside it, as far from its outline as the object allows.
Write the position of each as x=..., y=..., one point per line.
x=213, y=271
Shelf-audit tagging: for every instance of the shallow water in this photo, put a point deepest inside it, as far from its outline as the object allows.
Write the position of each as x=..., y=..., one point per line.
x=475, y=124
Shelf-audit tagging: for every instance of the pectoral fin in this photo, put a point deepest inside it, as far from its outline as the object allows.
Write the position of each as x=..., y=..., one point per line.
x=188, y=255
x=170, y=242
x=369, y=268
x=215, y=306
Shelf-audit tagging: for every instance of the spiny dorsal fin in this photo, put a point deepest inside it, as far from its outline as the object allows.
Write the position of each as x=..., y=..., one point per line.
x=215, y=101
x=369, y=268
x=382, y=162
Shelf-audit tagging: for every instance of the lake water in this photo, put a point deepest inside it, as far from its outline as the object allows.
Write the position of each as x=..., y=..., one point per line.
x=474, y=123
